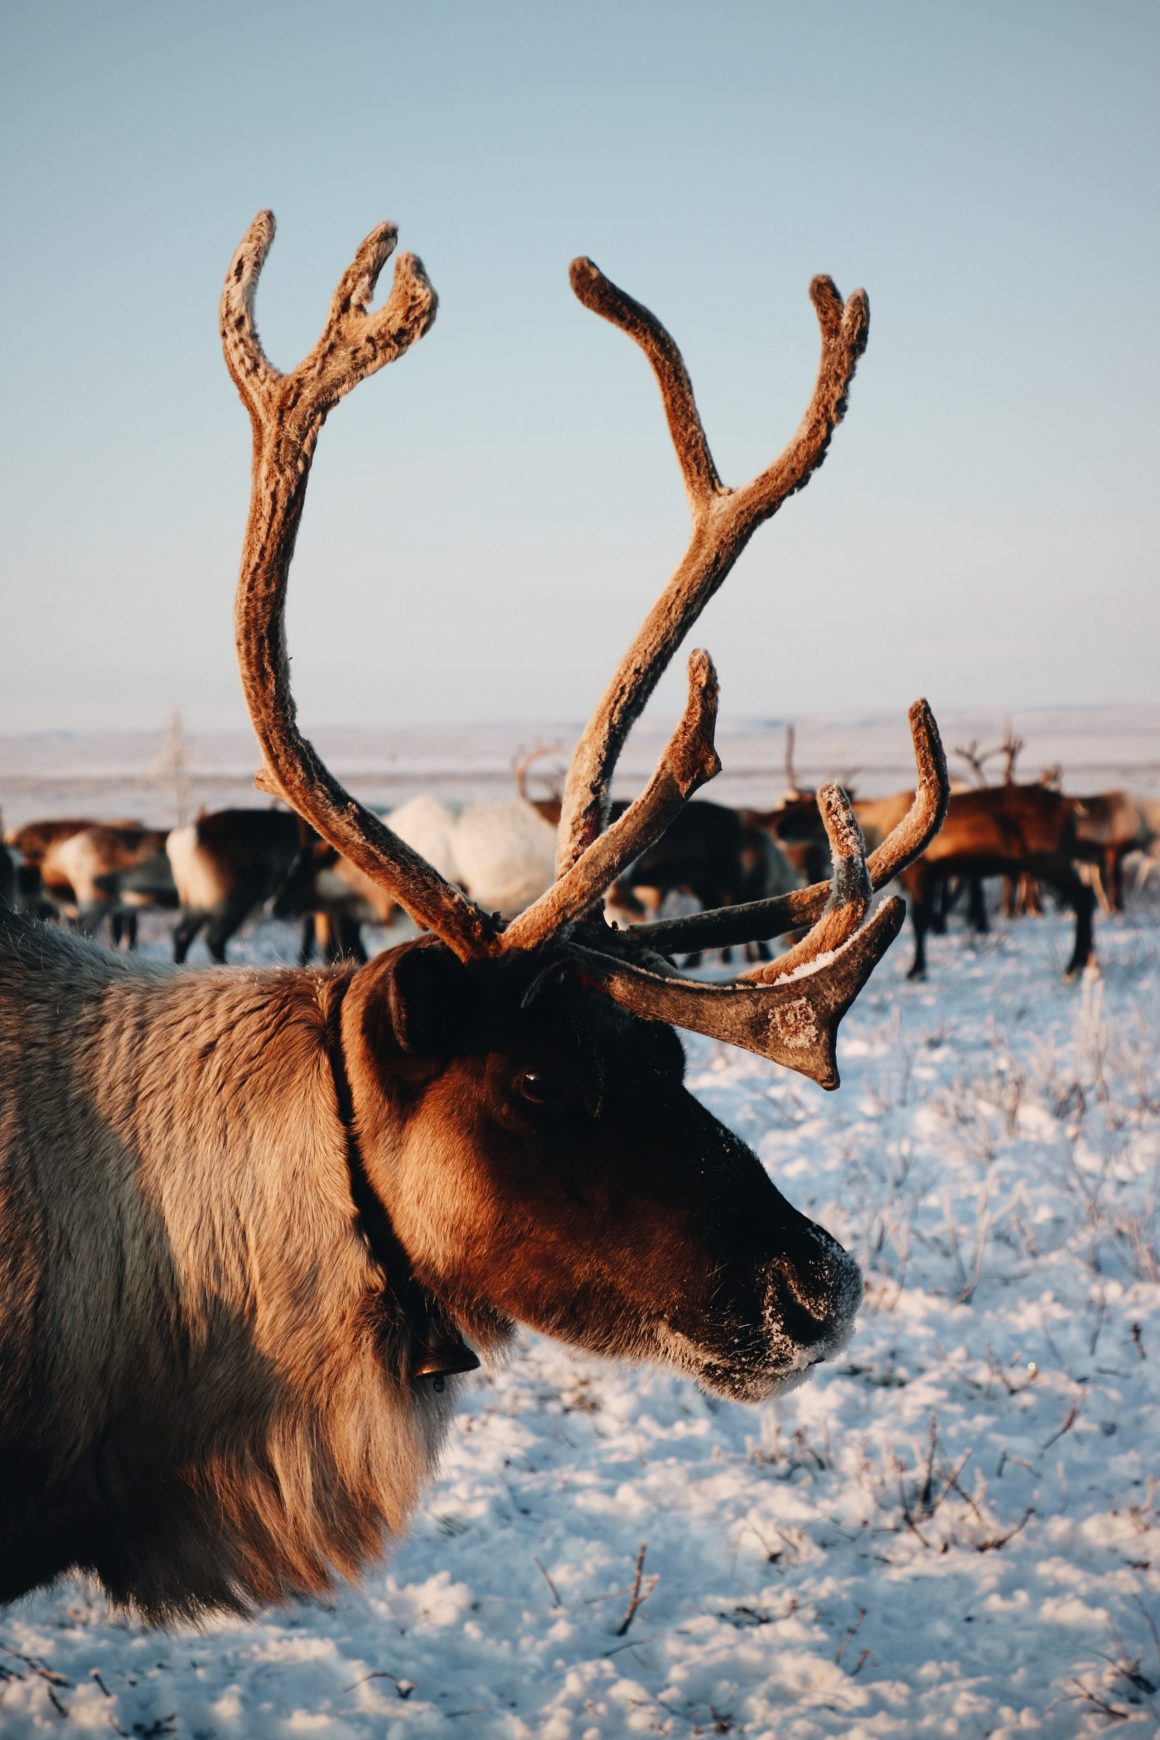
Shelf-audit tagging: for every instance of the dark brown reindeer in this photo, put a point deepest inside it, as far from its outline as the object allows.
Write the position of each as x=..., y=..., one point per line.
x=333, y=899
x=225, y=864
x=710, y=851
x=1004, y=830
x=713, y=853
x=249, y=1219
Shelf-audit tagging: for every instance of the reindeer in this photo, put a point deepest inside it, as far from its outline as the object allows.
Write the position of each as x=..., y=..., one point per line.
x=501, y=853
x=1109, y=825
x=715, y=854
x=1007, y=830
x=33, y=840
x=43, y=881
x=224, y=865
x=255, y=1223
x=109, y=870
x=794, y=824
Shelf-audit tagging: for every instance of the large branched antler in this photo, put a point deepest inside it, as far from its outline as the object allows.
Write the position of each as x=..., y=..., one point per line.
x=689, y=761
x=793, y=1021
x=760, y=920
x=723, y=522
x=287, y=412
x=788, y=1009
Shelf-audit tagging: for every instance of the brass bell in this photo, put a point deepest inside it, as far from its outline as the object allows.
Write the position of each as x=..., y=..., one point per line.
x=437, y=1350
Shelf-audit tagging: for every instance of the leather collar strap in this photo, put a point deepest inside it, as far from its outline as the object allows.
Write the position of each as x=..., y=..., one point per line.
x=435, y=1348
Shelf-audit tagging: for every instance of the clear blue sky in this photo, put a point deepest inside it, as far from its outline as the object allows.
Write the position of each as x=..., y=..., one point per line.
x=489, y=518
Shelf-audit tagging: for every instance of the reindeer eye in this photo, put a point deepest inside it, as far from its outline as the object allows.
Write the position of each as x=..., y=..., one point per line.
x=542, y=1087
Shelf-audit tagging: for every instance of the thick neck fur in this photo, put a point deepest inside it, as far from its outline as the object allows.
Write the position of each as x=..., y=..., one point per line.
x=200, y=1387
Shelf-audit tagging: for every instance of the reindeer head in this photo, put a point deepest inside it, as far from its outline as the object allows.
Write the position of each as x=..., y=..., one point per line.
x=515, y=1092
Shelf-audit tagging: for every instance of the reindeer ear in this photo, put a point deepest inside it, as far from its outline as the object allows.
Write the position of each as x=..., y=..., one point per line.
x=415, y=1001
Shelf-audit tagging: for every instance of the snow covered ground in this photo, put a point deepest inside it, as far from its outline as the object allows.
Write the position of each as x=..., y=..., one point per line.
x=953, y=1531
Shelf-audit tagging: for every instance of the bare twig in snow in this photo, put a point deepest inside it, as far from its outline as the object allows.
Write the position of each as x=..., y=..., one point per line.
x=907, y=1518
x=1149, y=1622
x=994, y=1542
x=403, y=1687
x=1073, y=1413
x=1083, y=1695
x=848, y=1635
x=638, y=1598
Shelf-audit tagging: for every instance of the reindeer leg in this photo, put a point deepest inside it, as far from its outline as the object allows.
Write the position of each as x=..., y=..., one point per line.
x=184, y=933
x=920, y=887
x=1074, y=891
x=1114, y=878
x=223, y=924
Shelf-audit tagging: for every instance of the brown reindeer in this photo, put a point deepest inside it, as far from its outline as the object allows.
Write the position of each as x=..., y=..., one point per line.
x=249, y=1220
x=109, y=870
x=794, y=823
x=43, y=887
x=33, y=840
x=1109, y=825
x=718, y=855
x=550, y=804
x=224, y=865
x=1007, y=830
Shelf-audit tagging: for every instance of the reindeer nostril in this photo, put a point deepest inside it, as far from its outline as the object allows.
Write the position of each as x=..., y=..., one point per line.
x=814, y=1294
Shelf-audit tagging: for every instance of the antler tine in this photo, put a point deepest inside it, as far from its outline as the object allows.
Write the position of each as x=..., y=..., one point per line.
x=688, y=762
x=723, y=522
x=845, y=330
x=247, y=362
x=759, y=920
x=790, y=1010
x=850, y=891
x=605, y=298
x=793, y=1021
x=926, y=815
x=287, y=412
x=522, y=763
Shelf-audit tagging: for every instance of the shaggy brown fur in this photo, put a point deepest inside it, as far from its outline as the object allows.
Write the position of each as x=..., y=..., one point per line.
x=204, y=1410
x=204, y=1394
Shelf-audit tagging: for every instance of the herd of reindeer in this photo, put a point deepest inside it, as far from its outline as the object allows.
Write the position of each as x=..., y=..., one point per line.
x=232, y=863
